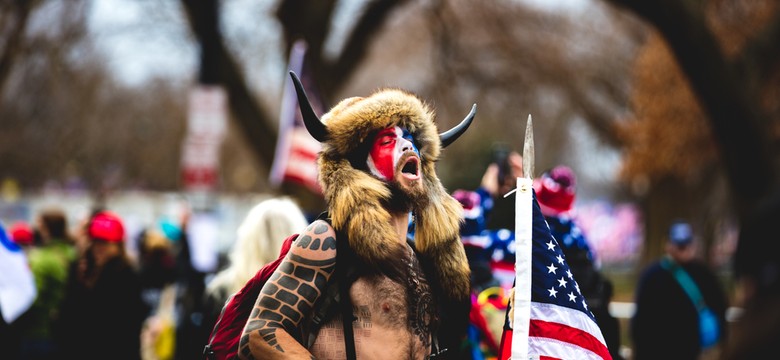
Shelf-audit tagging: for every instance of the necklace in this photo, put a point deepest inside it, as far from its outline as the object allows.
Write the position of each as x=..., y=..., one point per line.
x=420, y=300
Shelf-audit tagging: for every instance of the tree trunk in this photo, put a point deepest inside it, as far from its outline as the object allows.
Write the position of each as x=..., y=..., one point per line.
x=666, y=201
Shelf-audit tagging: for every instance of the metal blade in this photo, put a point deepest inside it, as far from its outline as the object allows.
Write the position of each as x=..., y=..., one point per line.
x=528, y=150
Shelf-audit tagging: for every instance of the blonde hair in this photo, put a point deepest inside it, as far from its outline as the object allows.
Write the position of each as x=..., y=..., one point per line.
x=258, y=242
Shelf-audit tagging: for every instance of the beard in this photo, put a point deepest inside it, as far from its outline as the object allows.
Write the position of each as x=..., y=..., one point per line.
x=405, y=199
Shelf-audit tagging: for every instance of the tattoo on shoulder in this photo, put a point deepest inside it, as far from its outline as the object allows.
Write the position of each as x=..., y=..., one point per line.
x=310, y=239
x=291, y=292
x=318, y=228
x=307, y=242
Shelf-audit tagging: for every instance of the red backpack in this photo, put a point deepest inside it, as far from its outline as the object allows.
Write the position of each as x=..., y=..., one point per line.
x=223, y=342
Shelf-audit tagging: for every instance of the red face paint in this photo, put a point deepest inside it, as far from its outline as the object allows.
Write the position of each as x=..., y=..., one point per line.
x=389, y=144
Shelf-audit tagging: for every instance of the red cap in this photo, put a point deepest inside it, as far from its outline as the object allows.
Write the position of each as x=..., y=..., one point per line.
x=106, y=226
x=21, y=233
x=555, y=190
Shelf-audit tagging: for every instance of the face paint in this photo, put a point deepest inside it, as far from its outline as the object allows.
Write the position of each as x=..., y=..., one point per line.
x=389, y=144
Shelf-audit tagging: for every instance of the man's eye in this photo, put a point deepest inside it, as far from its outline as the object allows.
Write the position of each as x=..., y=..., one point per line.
x=386, y=141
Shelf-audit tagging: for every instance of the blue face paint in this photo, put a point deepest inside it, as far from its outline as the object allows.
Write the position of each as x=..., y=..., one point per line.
x=408, y=136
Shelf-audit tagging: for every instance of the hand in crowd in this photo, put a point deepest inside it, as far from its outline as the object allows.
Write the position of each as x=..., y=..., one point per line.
x=490, y=180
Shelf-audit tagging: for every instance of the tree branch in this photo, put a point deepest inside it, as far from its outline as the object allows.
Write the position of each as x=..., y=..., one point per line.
x=251, y=116
x=13, y=42
x=309, y=20
x=357, y=44
x=762, y=53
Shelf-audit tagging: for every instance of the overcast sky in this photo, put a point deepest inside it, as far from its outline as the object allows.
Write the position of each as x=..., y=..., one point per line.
x=144, y=39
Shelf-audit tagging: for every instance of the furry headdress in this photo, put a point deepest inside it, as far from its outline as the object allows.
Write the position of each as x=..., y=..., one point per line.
x=357, y=199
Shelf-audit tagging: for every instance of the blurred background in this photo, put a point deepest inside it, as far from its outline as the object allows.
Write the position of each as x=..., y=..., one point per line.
x=664, y=109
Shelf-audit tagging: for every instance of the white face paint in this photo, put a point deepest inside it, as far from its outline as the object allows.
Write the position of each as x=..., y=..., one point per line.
x=389, y=144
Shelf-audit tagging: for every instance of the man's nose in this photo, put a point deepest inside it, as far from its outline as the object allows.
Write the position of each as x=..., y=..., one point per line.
x=406, y=145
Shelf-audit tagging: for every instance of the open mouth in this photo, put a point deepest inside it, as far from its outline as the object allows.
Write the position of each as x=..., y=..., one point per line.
x=411, y=168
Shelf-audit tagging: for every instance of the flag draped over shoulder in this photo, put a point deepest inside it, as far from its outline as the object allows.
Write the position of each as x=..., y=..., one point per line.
x=295, y=159
x=559, y=323
x=17, y=285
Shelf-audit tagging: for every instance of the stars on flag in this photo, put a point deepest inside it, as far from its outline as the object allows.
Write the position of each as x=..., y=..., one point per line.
x=555, y=282
x=551, y=269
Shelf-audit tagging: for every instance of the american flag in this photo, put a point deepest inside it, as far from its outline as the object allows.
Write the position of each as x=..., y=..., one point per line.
x=295, y=159
x=560, y=325
x=17, y=285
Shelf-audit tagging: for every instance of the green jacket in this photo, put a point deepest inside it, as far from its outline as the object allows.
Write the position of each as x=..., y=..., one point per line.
x=49, y=265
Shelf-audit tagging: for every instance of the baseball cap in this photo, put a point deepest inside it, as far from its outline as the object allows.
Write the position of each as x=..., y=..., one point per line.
x=106, y=226
x=680, y=233
x=21, y=233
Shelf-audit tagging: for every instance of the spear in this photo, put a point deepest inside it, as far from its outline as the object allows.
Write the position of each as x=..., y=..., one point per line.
x=521, y=317
x=528, y=150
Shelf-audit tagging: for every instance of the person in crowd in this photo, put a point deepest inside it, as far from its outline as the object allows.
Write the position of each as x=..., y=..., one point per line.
x=476, y=239
x=192, y=330
x=506, y=167
x=486, y=317
x=157, y=272
x=376, y=170
x=497, y=181
x=102, y=311
x=258, y=242
x=482, y=337
x=680, y=303
x=156, y=265
x=49, y=261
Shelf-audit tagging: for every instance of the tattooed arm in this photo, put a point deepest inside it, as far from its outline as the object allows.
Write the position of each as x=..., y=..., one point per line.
x=275, y=327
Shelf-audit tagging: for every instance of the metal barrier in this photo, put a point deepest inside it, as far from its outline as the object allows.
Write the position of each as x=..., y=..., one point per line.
x=625, y=310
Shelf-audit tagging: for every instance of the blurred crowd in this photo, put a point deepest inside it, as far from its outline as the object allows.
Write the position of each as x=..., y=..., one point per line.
x=92, y=299
x=491, y=251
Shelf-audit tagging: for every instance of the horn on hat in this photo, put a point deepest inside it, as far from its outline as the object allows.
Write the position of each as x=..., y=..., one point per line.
x=449, y=136
x=313, y=124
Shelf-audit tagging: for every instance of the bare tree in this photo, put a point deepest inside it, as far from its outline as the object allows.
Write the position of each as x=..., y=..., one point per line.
x=67, y=121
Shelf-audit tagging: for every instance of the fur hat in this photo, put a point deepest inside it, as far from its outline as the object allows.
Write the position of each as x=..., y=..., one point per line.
x=555, y=191
x=357, y=199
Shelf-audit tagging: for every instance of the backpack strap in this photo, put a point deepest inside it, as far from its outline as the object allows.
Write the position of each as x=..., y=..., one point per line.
x=345, y=302
x=688, y=285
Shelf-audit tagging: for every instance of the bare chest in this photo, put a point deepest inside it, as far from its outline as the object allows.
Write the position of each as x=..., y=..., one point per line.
x=393, y=320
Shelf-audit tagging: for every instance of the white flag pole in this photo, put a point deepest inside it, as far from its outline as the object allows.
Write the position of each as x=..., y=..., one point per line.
x=523, y=240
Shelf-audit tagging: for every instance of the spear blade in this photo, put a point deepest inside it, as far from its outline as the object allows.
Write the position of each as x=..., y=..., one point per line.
x=528, y=150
